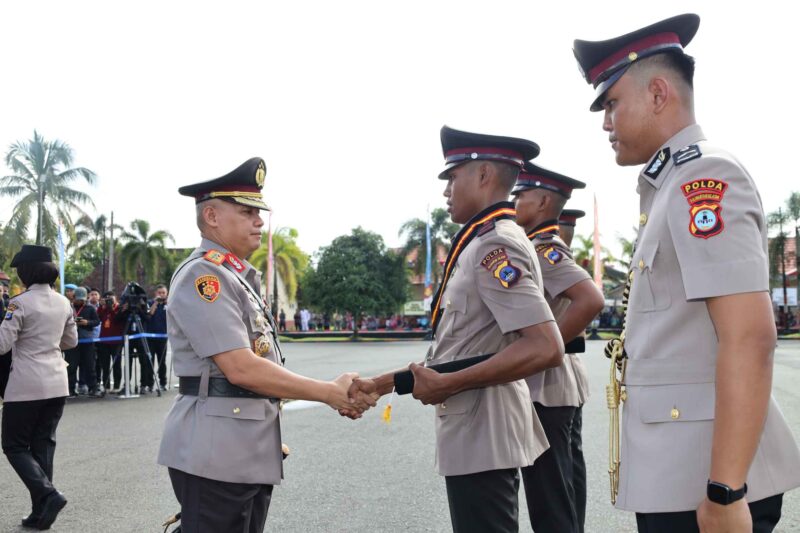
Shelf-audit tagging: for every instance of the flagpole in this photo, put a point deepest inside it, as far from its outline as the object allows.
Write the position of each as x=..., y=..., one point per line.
x=598, y=267
x=270, y=267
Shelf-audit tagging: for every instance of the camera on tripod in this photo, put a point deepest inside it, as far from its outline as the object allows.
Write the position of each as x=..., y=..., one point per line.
x=135, y=296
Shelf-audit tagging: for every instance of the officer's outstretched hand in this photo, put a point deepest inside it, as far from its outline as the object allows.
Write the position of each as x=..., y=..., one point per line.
x=715, y=518
x=430, y=387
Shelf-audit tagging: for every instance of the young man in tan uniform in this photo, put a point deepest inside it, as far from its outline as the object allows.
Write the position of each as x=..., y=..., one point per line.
x=704, y=446
x=222, y=439
x=557, y=393
x=490, y=301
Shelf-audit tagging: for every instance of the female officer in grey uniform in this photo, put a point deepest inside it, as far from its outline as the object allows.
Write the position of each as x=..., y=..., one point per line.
x=37, y=326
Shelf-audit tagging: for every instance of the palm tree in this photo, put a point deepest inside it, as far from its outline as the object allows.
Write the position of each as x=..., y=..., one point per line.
x=42, y=172
x=793, y=210
x=627, y=248
x=442, y=232
x=584, y=253
x=142, y=254
x=290, y=260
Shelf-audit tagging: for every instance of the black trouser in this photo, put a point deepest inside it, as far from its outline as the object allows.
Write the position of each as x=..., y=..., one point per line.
x=766, y=513
x=548, y=481
x=485, y=502
x=29, y=443
x=210, y=506
x=145, y=366
x=578, y=468
x=108, y=355
x=158, y=351
x=5, y=370
x=83, y=357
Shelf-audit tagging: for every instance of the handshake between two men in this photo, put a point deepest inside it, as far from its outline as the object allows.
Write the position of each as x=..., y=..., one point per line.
x=426, y=385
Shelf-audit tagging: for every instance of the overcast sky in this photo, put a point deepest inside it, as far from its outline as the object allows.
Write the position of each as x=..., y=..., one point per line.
x=344, y=100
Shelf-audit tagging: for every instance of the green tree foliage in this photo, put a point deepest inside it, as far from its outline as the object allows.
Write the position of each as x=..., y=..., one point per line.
x=290, y=260
x=442, y=232
x=144, y=254
x=41, y=176
x=356, y=273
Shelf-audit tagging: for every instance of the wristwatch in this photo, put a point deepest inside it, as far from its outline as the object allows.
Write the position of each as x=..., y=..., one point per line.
x=722, y=494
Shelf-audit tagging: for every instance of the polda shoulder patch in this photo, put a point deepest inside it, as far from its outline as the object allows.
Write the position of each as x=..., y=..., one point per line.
x=705, y=206
x=499, y=265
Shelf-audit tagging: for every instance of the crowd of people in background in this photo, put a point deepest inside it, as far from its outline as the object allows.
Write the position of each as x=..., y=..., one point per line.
x=305, y=320
x=95, y=365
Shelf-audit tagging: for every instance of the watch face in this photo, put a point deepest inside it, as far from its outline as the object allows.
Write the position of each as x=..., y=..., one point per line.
x=718, y=493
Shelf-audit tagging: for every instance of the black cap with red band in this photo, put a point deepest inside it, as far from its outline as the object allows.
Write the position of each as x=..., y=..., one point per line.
x=536, y=177
x=241, y=186
x=603, y=63
x=461, y=147
x=569, y=217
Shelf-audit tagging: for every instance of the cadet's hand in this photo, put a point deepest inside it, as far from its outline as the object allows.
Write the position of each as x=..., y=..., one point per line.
x=715, y=518
x=430, y=387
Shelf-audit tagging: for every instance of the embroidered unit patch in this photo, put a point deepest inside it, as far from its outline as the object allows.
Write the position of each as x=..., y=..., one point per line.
x=705, y=206
x=552, y=255
x=499, y=265
x=208, y=287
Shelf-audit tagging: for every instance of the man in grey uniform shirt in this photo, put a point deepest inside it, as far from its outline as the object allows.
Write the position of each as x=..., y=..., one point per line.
x=703, y=444
x=557, y=393
x=222, y=440
x=490, y=301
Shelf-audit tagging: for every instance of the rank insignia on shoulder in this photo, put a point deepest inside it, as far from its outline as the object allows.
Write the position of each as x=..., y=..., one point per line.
x=486, y=228
x=215, y=256
x=552, y=255
x=658, y=163
x=686, y=154
x=208, y=287
x=235, y=263
x=499, y=265
x=705, y=206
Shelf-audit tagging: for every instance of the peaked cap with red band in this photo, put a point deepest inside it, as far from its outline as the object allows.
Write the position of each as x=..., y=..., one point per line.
x=241, y=186
x=603, y=63
x=536, y=177
x=461, y=147
x=569, y=217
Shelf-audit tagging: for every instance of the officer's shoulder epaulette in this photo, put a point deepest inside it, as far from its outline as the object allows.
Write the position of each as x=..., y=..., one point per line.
x=686, y=154
x=214, y=256
x=486, y=228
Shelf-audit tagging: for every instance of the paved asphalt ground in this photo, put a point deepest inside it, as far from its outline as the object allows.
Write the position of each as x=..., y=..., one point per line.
x=342, y=476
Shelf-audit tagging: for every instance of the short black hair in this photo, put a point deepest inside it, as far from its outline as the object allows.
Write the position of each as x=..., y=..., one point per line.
x=33, y=273
x=161, y=286
x=108, y=293
x=678, y=62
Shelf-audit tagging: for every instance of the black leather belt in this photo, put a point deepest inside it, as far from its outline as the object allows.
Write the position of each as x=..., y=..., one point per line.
x=217, y=388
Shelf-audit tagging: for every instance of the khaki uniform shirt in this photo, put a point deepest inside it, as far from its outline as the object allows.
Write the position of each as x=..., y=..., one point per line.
x=692, y=245
x=39, y=324
x=494, y=427
x=237, y=440
x=566, y=385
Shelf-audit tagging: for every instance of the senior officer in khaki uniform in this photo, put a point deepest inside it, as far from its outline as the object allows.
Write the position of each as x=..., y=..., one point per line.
x=703, y=443
x=222, y=439
x=490, y=300
x=38, y=325
x=556, y=393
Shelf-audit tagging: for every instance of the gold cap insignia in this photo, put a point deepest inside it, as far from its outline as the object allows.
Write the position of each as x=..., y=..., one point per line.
x=633, y=56
x=261, y=173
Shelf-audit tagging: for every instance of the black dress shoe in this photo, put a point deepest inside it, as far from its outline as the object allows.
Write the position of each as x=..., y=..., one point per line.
x=51, y=506
x=31, y=520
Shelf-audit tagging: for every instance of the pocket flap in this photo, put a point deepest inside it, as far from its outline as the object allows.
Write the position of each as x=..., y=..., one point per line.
x=647, y=256
x=455, y=301
x=458, y=404
x=241, y=408
x=676, y=403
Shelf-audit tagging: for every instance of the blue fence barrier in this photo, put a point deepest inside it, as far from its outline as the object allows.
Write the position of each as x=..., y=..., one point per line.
x=130, y=337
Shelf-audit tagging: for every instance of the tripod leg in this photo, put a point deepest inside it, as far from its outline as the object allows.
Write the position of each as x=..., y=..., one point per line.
x=148, y=354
